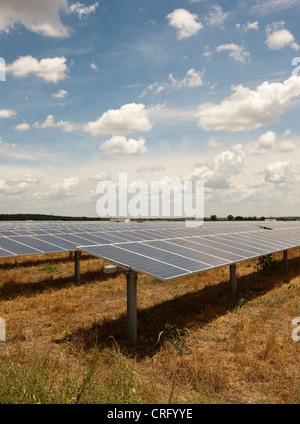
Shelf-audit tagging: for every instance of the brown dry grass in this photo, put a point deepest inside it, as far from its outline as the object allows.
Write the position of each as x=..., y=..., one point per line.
x=212, y=349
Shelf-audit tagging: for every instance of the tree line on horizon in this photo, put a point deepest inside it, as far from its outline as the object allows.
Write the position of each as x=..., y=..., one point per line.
x=50, y=217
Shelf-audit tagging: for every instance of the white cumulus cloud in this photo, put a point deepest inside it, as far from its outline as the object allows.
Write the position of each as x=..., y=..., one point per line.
x=65, y=188
x=278, y=37
x=186, y=23
x=15, y=186
x=279, y=172
x=40, y=16
x=22, y=127
x=130, y=117
x=120, y=145
x=268, y=142
x=247, y=109
x=287, y=146
x=217, y=173
x=7, y=113
x=49, y=69
x=251, y=25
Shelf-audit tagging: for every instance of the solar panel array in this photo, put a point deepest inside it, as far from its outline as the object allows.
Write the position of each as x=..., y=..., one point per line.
x=29, y=238
x=163, y=250
x=178, y=251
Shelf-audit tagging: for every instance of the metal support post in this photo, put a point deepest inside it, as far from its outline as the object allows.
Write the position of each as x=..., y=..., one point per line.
x=131, y=278
x=233, y=280
x=77, y=266
x=285, y=261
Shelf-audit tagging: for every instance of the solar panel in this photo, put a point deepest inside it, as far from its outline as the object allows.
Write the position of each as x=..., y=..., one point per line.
x=187, y=252
x=58, y=243
x=38, y=244
x=162, y=249
x=17, y=248
x=195, y=244
x=165, y=256
x=214, y=246
x=5, y=253
x=140, y=263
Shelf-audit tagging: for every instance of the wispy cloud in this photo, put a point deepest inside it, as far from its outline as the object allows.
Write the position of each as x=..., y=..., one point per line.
x=94, y=67
x=272, y=6
x=81, y=10
x=236, y=52
x=216, y=17
x=60, y=94
x=192, y=79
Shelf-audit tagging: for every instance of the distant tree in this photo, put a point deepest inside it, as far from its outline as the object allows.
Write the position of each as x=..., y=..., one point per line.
x=230, y=217
x=213, y=217
x=239, y=218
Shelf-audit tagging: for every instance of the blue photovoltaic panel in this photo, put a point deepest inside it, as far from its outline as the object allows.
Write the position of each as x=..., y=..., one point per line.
x=99, y=239
x=17, y=248
x=188, y=252
x=60, y=243
x=165, y=256
x=38, y=244
x=7, y=233
x=252, y=240
x=195, y=244
x=5, y=253
x=23, y=232
x=114, y=238
x=137, y=262
x=211, y=242
x=74, y=239
x=229, y=243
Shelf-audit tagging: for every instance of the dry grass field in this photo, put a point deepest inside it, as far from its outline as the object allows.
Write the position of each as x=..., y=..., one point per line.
x=66, y=341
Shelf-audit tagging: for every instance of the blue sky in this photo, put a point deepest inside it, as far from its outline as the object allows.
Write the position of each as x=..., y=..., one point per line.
x=162, y=90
